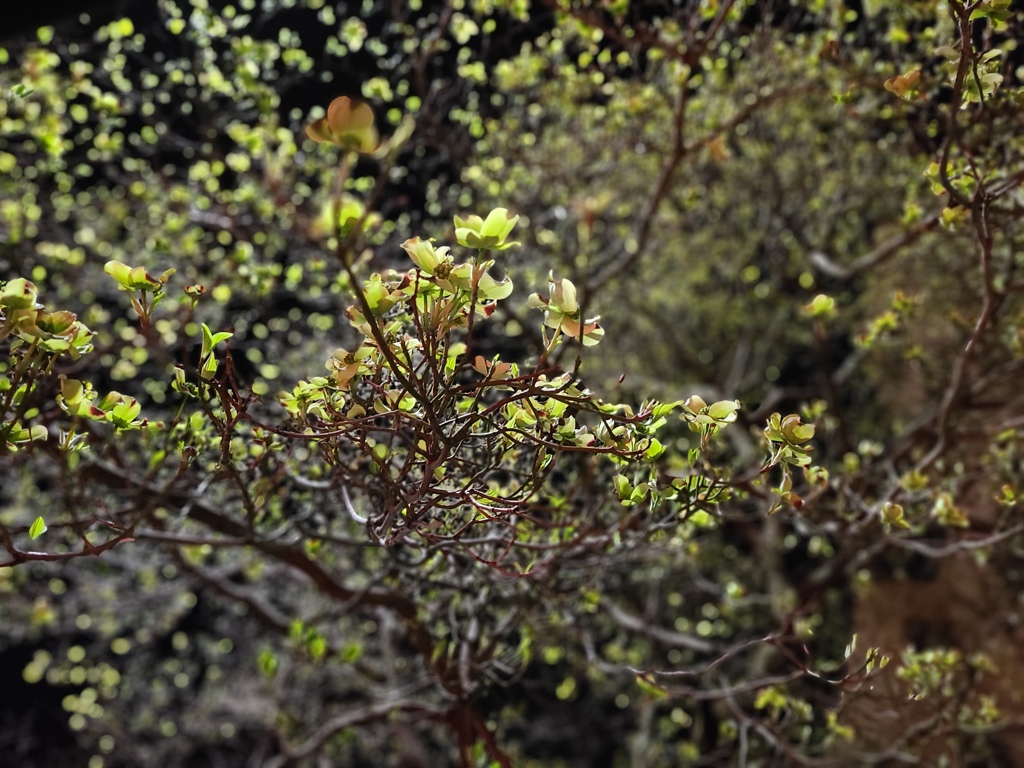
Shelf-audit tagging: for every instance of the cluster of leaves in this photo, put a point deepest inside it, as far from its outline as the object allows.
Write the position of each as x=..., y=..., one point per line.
x=668, y=157
x=36, y=338
x=450, y=439
x=426, y=441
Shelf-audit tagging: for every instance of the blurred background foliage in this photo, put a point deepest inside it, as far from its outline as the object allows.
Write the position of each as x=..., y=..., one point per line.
x=749, y=193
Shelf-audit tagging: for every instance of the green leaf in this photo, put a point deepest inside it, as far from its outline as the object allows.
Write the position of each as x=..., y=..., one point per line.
x=268, y=663
x=724, y=410
x=131, y=278
x=121, y=28
x=486, y=234
x=19, y=434
x=623, y=487
x=21, y=91
x=822, y=306
x=18, y=294
x=37, y=529
x=211, y=340
x=123, y=414
x=650, y=688
x=654, y=450
x=348, y=124
x=892, y=514
x=351, y=652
